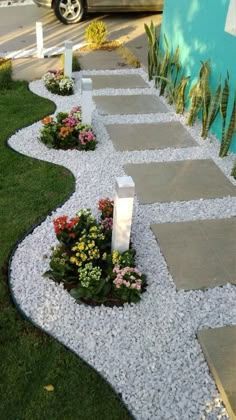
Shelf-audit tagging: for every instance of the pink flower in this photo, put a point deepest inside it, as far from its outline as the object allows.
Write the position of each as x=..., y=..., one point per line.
x=107, y=223
x=70, y=122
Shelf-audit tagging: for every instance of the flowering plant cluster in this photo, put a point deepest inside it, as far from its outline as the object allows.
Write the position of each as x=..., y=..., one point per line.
x=56, y=82
x=66, y=131
x=84, y=263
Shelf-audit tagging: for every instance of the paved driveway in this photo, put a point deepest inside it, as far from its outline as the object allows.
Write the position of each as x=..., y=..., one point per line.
x=17, y=29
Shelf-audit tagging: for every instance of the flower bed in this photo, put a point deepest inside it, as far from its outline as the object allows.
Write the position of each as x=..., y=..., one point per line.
x=66, y=131
x=85, y=264
x=56, y=82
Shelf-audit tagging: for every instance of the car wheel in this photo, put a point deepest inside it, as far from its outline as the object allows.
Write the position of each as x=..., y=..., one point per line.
x=69, y=11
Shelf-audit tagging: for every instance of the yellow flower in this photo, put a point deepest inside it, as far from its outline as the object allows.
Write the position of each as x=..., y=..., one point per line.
x=81, y=246
x=115, y=257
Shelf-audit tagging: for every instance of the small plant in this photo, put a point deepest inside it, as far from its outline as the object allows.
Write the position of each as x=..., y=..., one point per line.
x=5, y=73
x=57, y=83
x=85, y=264
x=96, y=33
x=66, y=131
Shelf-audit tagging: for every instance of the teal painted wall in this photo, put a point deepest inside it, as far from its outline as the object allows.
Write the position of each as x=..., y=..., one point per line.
x=197, y=26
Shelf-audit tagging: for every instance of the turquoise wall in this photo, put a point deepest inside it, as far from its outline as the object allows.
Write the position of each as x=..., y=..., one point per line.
x=197, y=26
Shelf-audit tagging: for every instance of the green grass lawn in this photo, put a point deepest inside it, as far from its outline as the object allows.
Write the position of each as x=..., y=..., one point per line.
x=29, y=359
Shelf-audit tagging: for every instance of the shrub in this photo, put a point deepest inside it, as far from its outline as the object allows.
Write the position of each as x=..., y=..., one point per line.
x=85, y=264
x=5, y=73
x=96, y=33
x=66, y=131
x=57, y=83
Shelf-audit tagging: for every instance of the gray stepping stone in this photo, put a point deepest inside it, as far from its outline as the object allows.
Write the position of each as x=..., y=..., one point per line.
x=149, y=136
x=199, y=254
x=179, y=181
x=129, y=81
x=219, y=347
x=130, y=104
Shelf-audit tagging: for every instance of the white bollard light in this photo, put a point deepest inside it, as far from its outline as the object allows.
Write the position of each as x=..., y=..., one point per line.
x=87, y=100
x=39, y=40
x=123, y=212
x=68, y=59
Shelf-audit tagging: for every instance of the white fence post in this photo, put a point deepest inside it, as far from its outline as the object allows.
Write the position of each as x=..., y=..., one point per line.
x=68, y=59
x=123, y=211
x=87, y=100
x=39, y=40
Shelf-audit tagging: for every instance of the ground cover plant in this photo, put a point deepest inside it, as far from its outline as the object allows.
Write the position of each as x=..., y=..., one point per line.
x=66, y=131
x=56, y=82
x=29, y=359
x=86, y=265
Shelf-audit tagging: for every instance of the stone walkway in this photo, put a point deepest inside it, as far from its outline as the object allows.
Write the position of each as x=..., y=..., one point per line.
x=199, y=254
x=148, y=352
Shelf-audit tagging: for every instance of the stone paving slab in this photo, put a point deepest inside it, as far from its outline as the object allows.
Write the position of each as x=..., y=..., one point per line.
x=118, y=81
x=130, y=104
x=179, y=181
x=199, y=254
x=219, y=347
x=149, y=136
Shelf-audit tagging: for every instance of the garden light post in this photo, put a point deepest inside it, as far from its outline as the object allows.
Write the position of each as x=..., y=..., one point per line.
x=86, y=100
x=68, y=59
x=123, y=211
x=39, y=40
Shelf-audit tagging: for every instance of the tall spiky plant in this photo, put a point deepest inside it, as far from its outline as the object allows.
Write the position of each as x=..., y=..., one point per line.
x=165, y=67
x=199, y=91
x=211, y=110
x=176, y=94
x=233, y=173
x=224, y=108
x=180, y=95
x=153, y=47
x=229, y=132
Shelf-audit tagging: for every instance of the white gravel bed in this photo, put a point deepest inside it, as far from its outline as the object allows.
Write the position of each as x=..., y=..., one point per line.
x=148, y=351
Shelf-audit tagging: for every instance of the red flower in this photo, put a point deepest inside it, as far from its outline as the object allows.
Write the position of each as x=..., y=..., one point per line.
x=105, y=205
x=63, y=224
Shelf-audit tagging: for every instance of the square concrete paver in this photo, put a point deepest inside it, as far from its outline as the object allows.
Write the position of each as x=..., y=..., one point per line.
x=179, y=181
x=199, y=254
x=130, y=104
x=219, y=347
x=117, y=81
x=149, y=136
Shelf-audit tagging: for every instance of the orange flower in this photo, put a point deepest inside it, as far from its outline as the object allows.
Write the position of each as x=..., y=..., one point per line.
x=64, y=131
x=47, y=120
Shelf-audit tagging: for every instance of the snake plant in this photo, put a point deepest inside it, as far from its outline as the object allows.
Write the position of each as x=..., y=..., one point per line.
x=210, y=110
x=229, y=132
x=153, y=47
x=198, y=92
x=233, y=173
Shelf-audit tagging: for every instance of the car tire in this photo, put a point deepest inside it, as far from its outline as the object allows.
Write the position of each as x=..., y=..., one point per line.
x=69, y=11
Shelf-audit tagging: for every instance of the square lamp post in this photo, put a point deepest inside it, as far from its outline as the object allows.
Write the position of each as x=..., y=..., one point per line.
x=123, y=212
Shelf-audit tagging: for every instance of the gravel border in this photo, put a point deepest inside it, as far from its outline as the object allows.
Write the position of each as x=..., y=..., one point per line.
x=148, y=351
